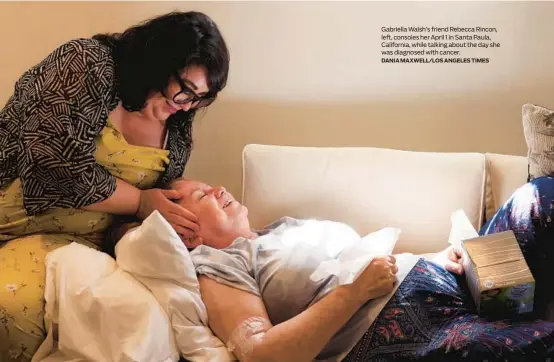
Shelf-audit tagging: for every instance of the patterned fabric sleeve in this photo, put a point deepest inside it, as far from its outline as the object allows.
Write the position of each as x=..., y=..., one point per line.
x=64, y=103
x=180, y=146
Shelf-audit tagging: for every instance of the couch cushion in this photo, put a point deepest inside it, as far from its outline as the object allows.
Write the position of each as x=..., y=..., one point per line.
x=505, y=173
x=368, y=188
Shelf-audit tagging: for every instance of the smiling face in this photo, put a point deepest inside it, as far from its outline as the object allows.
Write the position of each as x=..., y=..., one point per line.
x=221, y=218
x=159, y=106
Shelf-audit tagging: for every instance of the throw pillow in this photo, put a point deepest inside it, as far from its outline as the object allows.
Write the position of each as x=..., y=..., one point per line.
x=154, y=254
x=538, y=128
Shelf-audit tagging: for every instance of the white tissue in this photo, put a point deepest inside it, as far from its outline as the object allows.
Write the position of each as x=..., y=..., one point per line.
x=461, y=229
x=320, y=234
x=354, y=258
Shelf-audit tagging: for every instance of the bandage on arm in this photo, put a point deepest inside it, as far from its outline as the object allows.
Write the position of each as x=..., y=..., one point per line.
x=240, y=320
x=247, y=334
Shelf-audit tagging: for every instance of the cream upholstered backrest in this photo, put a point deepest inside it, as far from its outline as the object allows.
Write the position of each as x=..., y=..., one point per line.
x=505, y=174
x=368, y=188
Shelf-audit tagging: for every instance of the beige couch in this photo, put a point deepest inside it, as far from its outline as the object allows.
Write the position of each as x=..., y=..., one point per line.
x=371, y=188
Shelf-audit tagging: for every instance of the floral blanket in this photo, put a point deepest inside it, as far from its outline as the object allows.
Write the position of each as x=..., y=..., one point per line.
x=432, y=317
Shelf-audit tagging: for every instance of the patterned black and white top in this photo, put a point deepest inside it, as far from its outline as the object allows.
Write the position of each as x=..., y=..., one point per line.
x=48, y=127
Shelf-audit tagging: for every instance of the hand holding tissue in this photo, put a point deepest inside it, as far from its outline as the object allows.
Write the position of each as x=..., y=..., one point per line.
x=356, y=254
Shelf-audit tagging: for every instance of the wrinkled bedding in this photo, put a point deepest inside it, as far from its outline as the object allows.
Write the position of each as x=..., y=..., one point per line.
x=145, y=307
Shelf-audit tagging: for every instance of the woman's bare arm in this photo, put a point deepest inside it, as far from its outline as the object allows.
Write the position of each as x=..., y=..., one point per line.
x=302, y=337
x=129, y=200
x=124, y=201
x=229, y=307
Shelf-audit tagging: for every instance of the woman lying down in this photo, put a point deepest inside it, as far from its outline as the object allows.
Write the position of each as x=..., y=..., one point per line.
x=262, y=303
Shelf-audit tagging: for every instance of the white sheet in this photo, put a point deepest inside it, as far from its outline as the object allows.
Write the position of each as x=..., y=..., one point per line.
x=100, y=312
x=146, y=307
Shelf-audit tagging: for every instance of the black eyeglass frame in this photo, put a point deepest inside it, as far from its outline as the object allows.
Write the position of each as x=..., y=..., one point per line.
x=192, y=97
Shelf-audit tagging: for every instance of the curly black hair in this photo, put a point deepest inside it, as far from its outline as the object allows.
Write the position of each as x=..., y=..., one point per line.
x=149, y=54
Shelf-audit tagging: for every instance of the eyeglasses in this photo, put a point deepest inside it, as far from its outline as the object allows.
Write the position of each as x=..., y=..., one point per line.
x=187, y=95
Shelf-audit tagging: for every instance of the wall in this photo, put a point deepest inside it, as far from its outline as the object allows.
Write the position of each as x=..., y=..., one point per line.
x=310, y=74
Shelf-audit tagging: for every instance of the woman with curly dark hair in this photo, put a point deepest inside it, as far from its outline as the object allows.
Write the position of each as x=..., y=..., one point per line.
x=90, y=133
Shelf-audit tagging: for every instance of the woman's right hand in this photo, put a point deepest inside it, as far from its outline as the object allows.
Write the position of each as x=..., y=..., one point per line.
x=182, y=220
x=376, y=280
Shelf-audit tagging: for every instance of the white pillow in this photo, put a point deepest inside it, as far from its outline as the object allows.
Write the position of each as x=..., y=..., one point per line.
x=155, y=255
x=97, y=312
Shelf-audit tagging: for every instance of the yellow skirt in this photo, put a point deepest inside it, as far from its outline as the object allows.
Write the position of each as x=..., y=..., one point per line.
x=25, y=242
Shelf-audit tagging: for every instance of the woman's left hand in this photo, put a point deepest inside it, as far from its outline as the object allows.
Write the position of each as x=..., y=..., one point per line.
x=451, y=260
x=182, y=220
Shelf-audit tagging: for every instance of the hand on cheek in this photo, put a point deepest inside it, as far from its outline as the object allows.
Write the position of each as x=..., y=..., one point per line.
x=192, y=242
